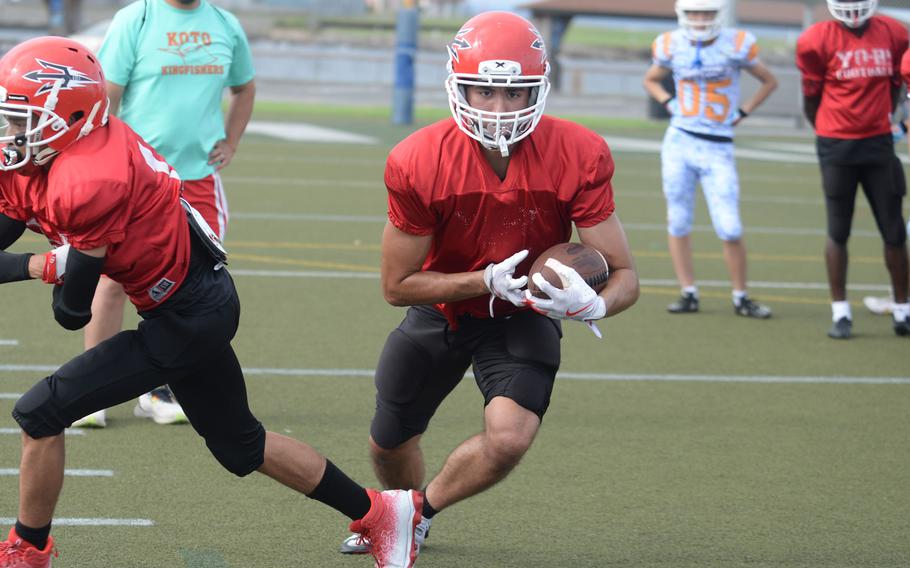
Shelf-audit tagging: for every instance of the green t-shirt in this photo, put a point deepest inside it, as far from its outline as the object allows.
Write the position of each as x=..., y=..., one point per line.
x=174, y=65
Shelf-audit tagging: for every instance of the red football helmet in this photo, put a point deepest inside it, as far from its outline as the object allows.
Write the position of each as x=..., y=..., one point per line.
x=497, y=49
x=52, y=92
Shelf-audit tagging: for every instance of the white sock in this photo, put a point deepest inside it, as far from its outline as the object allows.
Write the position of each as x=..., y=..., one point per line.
x=738, y=296
x=901, y=312
x=841, y=310
x=690, y=290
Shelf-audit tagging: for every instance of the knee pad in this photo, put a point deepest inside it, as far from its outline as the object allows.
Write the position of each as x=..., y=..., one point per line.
x=840, y=220
x=894, y=233
x=36, y=412
x=389, y=430
x=839, y=237
x=242, y=455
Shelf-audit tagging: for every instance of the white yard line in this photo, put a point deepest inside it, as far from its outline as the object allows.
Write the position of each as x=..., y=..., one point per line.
x=316, y=217
x=90, y=522
x=66, y=472
x=668, y=283
x=17, y=431
x=787, y=153
x=305, y=274
x=302, y=132
x=567, y=375
x=9, y=342
x=310, y=217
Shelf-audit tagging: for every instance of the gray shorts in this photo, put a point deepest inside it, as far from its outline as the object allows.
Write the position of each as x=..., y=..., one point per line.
x=424, y=359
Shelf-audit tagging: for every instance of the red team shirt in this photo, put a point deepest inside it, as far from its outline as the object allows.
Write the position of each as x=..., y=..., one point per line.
x=853, y=75
x=110, y=189
x=439, y=183
x=905, y=68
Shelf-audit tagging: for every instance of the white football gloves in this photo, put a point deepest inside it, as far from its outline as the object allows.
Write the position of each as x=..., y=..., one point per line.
x=672, y=106
x=499, y=281
x=55, y=265
x=576, y=300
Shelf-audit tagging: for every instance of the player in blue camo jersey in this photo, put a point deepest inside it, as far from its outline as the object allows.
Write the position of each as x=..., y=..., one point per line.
x=705, y=60
x=167, y=64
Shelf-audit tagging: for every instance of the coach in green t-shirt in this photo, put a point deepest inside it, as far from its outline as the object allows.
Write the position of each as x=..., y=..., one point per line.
x=167, y=63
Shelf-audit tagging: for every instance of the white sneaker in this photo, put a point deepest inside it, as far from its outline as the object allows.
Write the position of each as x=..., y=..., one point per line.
x=422, y=531
x=355, y=544
x=93, y=420
x=161, y=406
x=879, y=305
x=358, y=544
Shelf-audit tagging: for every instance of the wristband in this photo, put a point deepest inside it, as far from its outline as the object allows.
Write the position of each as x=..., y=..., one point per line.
x=49, y=274
x=55, y=265
x=666, y=102
x=742, y=113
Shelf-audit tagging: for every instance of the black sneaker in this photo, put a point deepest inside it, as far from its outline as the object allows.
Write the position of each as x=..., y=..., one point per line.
x=687, y=303
x=841, y=329
x=748, y=308
x=901, y=328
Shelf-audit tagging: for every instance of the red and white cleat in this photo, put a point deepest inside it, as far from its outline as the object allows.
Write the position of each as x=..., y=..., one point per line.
x=389, y=527
x=17, y=553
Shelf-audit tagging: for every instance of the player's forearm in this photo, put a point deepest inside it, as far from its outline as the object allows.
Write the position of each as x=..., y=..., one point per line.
x=810, y=108
x=240, y=109
x=622, y=290
x=657, y=91
x=422, y=288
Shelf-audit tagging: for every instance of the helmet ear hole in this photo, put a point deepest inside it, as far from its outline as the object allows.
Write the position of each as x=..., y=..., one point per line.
x=75, y=117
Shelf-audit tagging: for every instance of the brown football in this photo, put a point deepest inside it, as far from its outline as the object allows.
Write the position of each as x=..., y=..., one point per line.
x=587, y=261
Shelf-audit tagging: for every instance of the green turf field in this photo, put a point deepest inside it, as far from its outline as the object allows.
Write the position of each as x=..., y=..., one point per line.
x=678, y=441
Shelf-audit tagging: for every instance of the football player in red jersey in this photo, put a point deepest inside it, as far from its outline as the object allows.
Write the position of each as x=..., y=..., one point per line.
x=851, y=82
x=884, y=305
x=471, y=203
x=109, y=203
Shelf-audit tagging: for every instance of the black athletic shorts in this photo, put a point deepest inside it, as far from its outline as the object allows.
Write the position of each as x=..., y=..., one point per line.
x=424, y=359
x=185, y=342
x=872, y=163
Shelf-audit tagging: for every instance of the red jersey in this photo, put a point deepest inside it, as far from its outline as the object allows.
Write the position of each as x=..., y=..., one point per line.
x=905, y=68
x=110, y=189
x=853, y=75
x=440, y=183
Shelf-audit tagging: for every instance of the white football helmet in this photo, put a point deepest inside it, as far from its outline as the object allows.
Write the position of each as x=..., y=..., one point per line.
x=699, y=29
x=852, y=13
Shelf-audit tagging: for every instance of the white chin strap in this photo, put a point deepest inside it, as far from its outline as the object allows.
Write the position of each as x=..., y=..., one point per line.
x=503, y=146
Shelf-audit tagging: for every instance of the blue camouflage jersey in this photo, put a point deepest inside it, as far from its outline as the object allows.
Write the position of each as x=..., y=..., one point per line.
x=706, y=77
